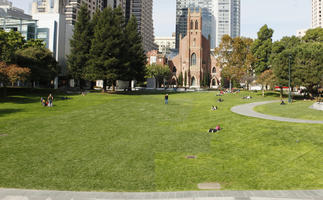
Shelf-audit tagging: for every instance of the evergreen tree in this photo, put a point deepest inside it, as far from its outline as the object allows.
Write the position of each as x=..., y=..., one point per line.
x=180, y=79
x=105, y=53
x=261, y=49
x=134, y=57
x=80, y=44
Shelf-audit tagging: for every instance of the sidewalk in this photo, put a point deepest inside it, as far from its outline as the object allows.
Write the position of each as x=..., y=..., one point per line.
x=16, y=194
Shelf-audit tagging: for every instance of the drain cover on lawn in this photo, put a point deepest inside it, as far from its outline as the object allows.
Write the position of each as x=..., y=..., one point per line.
x=190, y=157
x=209, y=186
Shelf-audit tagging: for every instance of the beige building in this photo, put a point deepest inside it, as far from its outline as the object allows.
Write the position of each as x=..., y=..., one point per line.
x=165, y=44
x=301, y=33
x=317, y=13
x=68, y=7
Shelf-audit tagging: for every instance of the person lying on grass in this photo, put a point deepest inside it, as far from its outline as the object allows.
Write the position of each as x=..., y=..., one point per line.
x=214, y=108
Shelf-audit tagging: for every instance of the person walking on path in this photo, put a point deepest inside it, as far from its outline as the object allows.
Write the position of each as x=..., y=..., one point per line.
x=50, y=100
x=166, y=99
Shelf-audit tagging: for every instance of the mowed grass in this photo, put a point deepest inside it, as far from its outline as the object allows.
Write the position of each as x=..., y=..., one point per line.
x=298, y=109
x=104, y=142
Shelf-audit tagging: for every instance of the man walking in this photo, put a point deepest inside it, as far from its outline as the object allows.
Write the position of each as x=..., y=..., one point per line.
x=166, y=99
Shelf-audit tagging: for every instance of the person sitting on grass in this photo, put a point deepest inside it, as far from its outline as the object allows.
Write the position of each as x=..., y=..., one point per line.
x=282, y=102
x=42, y=101
x=220, y=100
x=218, y=128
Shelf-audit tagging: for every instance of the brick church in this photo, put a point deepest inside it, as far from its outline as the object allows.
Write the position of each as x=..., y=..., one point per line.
x=194, y=59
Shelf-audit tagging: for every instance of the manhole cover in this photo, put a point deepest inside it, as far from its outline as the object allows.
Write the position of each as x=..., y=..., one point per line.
x=209, y=186
x=191, y=157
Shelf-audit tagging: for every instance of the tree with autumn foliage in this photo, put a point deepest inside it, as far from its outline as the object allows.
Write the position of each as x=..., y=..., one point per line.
x=267, y=78
x=16, y=73
x=235, y=58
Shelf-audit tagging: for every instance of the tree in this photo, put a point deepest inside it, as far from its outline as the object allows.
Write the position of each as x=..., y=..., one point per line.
x=265, y=79
x=159, y=72
x=80, y=44
x=261, y=49
x=280, y=65
x=105, y=61
x=41, y=62
x=16, y=73
x=180, y=79
x=283, y=55
x=3, y=73
x=34, y=43
x=314, y=35
x=185, y=78
x=9, y=43
x=309, y=66
x=134, y=58
x=234, y=57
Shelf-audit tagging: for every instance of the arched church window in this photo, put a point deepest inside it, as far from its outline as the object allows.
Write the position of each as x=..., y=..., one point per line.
x=193, y=59
x=191, y=26
x=174, y=70
x=213, y=70
x=196, y=25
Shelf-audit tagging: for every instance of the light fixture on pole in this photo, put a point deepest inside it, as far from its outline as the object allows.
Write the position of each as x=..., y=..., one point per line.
x=289, y=90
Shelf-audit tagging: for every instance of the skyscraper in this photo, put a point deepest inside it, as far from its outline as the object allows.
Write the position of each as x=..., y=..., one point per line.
x=143, y=11
x=220, y=17
x=317, y=13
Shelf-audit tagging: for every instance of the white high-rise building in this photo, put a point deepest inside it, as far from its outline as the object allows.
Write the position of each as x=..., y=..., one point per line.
x=317, y=13
x=56, y=19
x=219, y=17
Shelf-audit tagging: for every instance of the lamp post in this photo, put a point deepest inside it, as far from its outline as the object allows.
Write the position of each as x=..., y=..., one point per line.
x=289, y=90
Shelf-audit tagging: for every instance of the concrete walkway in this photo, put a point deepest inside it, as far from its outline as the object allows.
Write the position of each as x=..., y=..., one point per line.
x=16, y=194
x=247, y=110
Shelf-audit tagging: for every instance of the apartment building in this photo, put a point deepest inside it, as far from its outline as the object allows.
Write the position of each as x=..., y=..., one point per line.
x=317, y=13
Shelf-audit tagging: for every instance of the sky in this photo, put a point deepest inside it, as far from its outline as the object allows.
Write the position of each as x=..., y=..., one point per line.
x=284, y=16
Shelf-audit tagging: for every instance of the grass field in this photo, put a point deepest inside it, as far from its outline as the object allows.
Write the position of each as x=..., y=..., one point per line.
x=104, y=142
x=298, y=109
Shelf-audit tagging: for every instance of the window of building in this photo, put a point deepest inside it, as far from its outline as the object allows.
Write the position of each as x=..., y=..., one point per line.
x=196, y=25
x=191, y=26
x=193, y=59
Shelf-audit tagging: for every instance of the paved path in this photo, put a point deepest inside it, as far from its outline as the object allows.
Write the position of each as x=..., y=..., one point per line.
x=247, y=110
x=15, y=194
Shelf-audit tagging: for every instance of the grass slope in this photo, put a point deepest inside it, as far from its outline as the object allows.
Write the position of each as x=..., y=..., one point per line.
x=136, y=143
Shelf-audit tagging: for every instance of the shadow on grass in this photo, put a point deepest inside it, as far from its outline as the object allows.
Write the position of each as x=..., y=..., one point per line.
x=150, y=92
x=270, y=94
x=18, y=100
x=9, y=111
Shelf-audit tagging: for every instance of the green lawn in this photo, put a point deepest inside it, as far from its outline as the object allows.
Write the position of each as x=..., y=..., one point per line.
x=298, y=109
x=104, y=142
